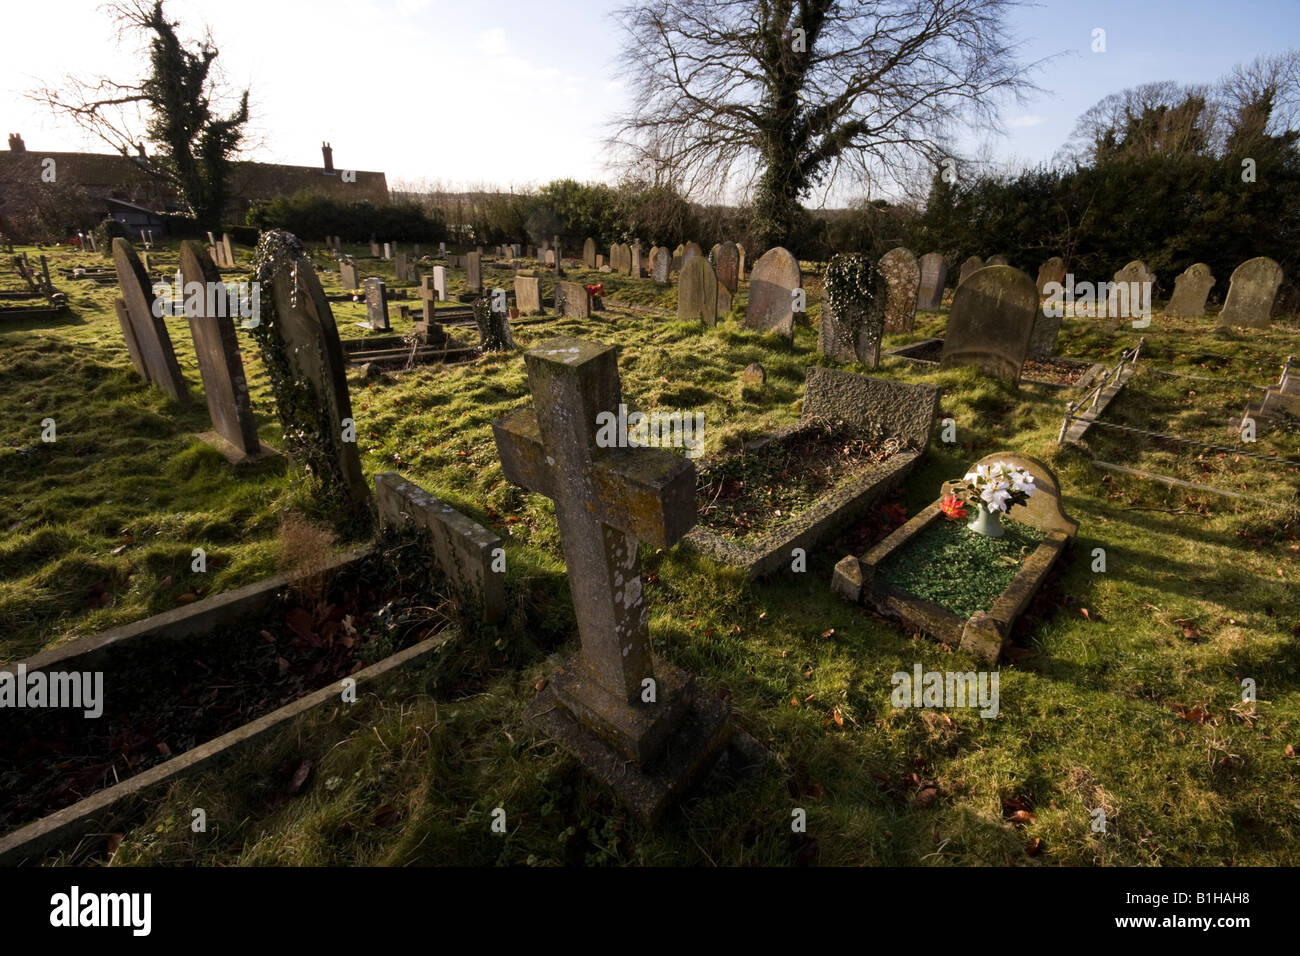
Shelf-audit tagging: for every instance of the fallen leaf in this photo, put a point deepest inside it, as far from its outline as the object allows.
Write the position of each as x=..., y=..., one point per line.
x=828, y=633
x=837, y=717
x=189, y=597
x=1290, y=750
x=1036, y=847
x=794, y=701
x=1022, y=817
x=540, y=685
x=926, y=797
x=1085, y=613
x=385, y=816
x=164, y=749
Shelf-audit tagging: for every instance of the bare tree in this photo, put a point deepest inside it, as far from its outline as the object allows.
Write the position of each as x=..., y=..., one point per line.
x=171, y=107
x=789, y=95
x=1164, y=118
x=1262, y=97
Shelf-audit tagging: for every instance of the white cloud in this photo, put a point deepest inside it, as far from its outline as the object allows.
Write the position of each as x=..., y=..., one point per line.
x=493, y=42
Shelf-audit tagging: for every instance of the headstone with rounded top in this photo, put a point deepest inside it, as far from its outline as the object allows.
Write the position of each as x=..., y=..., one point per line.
x=902, y=278
x=851, y=329
x=990, y=322
x=971, y=265
x=1053, y=270
x=1191, y=289
x=771, y=293
x=660, y=259
x=934, y=275
x=727, y=265
x=1251, y=292
x=697, y=292
x=376, y=305
x=589, y=253
x=528, y=294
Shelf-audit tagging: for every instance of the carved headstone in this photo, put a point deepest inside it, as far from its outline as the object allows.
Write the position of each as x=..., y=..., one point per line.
x=377, y=305
x=348, y=274
x=1191, y=289
x=1053, y=270
x=990, y=322
x=212, y=327
x=973, y=264
x=151, y=335
x=572, y=300
x=697, y=292
x=934, y=275
x=589, y=253
x=528, y=294
x=771, y=286
x=727, y=265
x=474, y=272
x=902, y=278
x=1251, y=292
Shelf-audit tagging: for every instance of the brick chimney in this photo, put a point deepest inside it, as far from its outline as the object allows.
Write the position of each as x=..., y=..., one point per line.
x=327, y=151
x=16, y=144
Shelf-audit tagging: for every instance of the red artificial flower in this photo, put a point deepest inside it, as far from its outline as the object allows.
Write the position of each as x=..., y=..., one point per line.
x=952, y=507
x=597, y=290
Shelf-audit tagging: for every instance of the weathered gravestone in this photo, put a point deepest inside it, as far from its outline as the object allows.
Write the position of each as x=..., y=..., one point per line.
x=690, y=251
x=640, y=725
x=727, y=265
x=934, y=275
x=589, y=253
x=600, y=263
x=474, y=272
x=572, y=300
x=376, y=305
x=697, y=292
x=528, y=294
x=128, y=333
x=1135, y=271
x=853, y=310
x=212, y=326
x=348, y=274
x=902, y=281
x=636, y=267
x=151, y=336
x=399, y=267
x=1053, y=270
x=989, y=324
x=388, y=251
x=428, y=297
x=493, y=323
x=660, y=260
x=971, y=265
x=374, y=249
x=998, y=260
x=466, y=553
x=1251, y=292
x=440, y=282
x=771, y=293
x=675, y=264
x=1047, y=327
x=740, y=265
x=308, y=372
x=1191, y=289
x=227, y=253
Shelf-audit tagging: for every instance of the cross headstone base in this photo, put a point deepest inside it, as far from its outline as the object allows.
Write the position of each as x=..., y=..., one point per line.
x=604, y=735
x=237, y=456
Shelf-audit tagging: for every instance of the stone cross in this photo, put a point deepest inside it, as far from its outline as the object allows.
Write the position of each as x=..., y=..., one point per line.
x=615, y=707
x=606, y=500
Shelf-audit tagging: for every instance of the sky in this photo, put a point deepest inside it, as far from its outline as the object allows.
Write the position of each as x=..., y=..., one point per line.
x=515, y=93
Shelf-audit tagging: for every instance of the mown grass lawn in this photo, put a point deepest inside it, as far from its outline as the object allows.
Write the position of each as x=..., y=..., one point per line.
x=1124, y=695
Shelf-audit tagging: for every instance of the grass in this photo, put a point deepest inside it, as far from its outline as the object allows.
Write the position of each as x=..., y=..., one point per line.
x=1134, y=706
x=957, y=569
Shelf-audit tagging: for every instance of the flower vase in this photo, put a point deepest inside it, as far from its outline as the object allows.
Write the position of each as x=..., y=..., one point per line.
x=987, y=523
